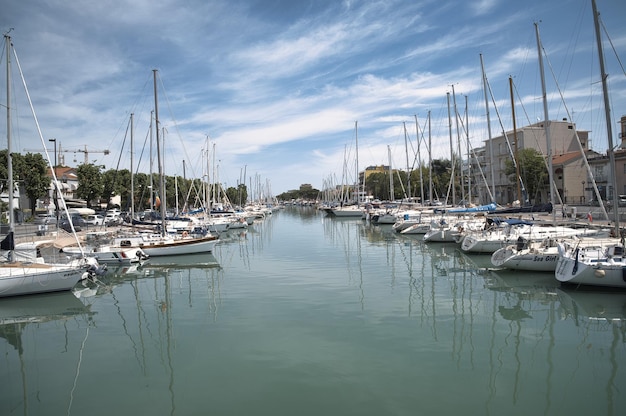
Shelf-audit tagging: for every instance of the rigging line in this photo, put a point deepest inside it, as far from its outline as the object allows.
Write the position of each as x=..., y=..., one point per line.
x=612, y=46
x=43, y=143
x=171, y=112
x=80, y=360
x=580, y=147
x=506, y=138
x=534, y=134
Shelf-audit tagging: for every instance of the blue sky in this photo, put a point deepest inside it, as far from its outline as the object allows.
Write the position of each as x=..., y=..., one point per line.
x=273, y=88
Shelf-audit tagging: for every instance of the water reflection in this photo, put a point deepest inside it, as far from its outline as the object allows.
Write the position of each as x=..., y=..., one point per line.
x=22, y=319
x=514, y=326
x=340, y=309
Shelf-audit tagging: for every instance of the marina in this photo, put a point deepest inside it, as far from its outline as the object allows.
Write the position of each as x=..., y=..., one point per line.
x=304, y=313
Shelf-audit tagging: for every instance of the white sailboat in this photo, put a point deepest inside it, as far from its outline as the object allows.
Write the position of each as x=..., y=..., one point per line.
x=164, y=244
x=37, y=276
x=600, y=266
x=351, y=211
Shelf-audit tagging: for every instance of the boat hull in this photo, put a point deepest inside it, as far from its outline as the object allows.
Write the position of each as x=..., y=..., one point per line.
x=530, y=260
x=607, y=272
x=24, y=279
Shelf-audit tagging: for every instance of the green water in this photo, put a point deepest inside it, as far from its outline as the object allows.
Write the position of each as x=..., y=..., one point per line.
x=309, y=315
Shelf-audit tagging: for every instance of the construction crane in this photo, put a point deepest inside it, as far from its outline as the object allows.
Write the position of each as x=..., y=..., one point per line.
x=62, y=157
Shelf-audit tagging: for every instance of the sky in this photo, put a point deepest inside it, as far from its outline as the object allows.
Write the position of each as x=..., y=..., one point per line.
x=280, y=93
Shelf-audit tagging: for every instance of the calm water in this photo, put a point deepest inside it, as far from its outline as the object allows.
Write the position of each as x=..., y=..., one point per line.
x=309, y=315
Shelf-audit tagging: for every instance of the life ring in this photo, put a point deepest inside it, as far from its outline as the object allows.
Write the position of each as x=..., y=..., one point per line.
x=185, y=233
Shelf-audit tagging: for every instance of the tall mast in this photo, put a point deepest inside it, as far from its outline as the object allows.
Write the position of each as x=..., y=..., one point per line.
x=356, y=138
x=607, y=114
x=491, y=159
x=546, y=123
x=132, y=176
x=391, y=192
x=452, y=159
x=408, y=169
x=458, y=144
x=159, y=161
x=469, y=156
x=516, y=155
x=151, y=161
x=7, y=38
x=430, y=162
x=419, y=158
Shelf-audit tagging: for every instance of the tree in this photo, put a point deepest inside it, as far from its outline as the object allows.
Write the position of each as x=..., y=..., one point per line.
x=109, y=180
x=533, y=172
x=238, y=195
x=31, y=172
x=441, y=169
x=306, y=191
x=90, y=183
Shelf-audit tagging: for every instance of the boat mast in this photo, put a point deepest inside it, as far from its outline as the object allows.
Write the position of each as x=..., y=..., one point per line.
x=391, y=192
x=408, y=168
x=458, y=145
x=469, y=156
x=132, y=180
x=607, y=114
x=546, y=122
x=452, y=159
x=356, y=138
x=492, y=169
x=419, y=158
x=517, y=172
x=159, y=162
x=430, y=163
x=7, y=38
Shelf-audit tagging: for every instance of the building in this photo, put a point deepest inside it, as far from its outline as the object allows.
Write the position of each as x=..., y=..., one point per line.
x=564, y=141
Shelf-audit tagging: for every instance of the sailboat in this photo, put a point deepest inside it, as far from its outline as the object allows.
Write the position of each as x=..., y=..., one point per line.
x=36, y=276
x=163, y=244
x=593, y=266
x=351, y=211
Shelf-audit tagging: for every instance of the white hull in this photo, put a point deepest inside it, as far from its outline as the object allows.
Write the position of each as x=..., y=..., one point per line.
x=472, y=243
x=447, y=235
x=30, y=278
x=348, y=212
x=155, y=247
x=592, y=266
x=111, y=255
x=489, y=241
x=542, y=260
x=419, y=228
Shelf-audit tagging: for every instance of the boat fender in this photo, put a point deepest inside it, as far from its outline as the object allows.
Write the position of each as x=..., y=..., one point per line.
x=600, y=273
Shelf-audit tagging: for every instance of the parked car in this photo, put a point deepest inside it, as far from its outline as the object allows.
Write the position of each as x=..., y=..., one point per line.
x=76, y=220
x=113, y=219
x=94, y=219
x=45, y=219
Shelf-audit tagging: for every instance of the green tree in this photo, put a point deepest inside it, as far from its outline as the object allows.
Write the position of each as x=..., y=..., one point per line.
x=109, y=180
x=31, y=171
x=90, y=182
x=237, y=196
x=306, y=191
x=441, y=169
x=533, y=172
